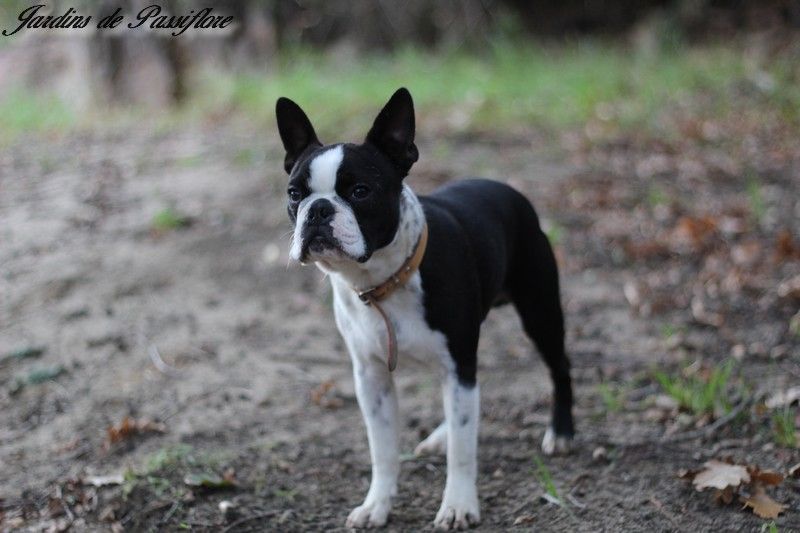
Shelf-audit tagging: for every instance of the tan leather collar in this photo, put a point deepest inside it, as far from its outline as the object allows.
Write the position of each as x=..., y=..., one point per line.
x=380, y=292
x=399, y=278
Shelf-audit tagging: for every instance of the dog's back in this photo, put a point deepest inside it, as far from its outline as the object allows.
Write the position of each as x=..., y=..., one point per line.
x=489, y=235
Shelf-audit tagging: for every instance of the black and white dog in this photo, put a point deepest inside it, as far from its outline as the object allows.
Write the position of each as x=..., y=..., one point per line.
x=359, y=223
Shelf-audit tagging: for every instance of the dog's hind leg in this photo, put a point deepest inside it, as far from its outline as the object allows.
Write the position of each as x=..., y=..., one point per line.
x=435, y=443
x=534, y=291
x=460, y=508
x=378, y=401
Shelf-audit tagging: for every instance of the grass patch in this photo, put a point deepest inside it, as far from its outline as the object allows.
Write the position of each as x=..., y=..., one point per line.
x=784, y=431
x=168, y=458
x=29, y=112
x=656, y=196
x=769, y=527
x=554, y=232
x=545, y=479
x=173, y=470
x=757, y=209
x=169, y=219
x=510, y=83
x=613, y=397
x=700, y=393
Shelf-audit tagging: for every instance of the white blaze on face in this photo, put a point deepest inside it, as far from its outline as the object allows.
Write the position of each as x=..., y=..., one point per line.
x=322, y=183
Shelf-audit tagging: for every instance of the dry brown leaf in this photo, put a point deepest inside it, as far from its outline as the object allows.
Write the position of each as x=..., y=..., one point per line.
x=765, y=477
x=693, y=231
x=762, y=504
x=724, y=496
x=790, y=288
x=719, y=475
x=325, y=395
x=129, y=427
x=786, y=247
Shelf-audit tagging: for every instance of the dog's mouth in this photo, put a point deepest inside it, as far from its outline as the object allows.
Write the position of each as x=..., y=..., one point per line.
x=319, y=243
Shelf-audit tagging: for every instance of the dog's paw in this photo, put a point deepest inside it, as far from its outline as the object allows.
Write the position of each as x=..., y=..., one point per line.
x=370, y=514
x=458, y=513
x=553, y=444
x=434, y=444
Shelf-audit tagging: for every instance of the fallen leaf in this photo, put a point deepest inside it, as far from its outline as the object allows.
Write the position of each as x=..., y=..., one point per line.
x=28, y=352
x=786, y=247
x=208, y=480
x=693, y=231
x=766, y=477
x=784, y=398
x=790, y=289
x=724, y=496
x=719, y=475
x=762, y=504
x=129, y=427
x=102, y=481
x=325, y=395
x=35, y=377
x=524, y=519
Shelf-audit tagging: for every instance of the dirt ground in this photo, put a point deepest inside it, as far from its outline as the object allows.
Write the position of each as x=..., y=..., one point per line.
x=666, y=260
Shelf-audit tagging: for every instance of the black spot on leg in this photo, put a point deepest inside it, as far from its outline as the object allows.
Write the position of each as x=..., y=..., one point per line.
x=464, y=420
x=376, y=409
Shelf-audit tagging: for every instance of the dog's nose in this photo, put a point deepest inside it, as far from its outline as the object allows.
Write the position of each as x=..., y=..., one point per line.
x=320, y=212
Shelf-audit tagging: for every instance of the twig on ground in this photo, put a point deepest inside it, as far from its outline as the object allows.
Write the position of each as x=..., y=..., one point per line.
x=689, y=435
x=660, y=508
x=64, y=504
x=711, y=428
x=166, y=518
x=161, y=366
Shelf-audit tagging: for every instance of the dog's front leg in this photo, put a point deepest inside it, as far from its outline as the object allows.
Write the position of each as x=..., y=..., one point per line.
x=378, y=401
x=460, y=507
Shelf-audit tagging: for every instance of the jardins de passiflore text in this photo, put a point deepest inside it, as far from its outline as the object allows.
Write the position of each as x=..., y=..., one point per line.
x=151, y=17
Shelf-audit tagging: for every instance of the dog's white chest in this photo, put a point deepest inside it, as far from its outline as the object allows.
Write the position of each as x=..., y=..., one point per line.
x=364, y=330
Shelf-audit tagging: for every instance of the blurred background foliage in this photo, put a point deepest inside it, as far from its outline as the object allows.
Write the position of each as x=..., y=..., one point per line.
x=472, y=65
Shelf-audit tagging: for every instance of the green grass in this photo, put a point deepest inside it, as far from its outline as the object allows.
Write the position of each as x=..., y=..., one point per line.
x=613, y=397
x=769, y=527
x=783, y=427
x=757, y=209
x=29, y=112
x=169, y=219
x=545, y=479
x=656, y=196
x=168, y=458
x=700, y=394
x=511, y=83
x=554, y=232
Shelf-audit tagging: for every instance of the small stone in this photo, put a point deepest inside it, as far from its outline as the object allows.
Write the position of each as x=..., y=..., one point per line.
x=600, y=455
x=227, y=508
x=738, y=352
x=524, y=519
x=666, y=402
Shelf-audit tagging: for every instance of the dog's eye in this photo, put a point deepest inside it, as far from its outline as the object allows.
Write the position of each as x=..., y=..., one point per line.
x=294, y=194
x=360, y=192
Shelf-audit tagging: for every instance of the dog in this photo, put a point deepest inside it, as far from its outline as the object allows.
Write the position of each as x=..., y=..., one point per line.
x=414, y=277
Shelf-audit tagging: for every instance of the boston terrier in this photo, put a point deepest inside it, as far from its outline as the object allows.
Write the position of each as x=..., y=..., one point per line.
x=413, y=278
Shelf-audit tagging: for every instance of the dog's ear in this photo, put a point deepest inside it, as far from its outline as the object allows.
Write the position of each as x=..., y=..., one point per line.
x=296, y=131
x=393, y=130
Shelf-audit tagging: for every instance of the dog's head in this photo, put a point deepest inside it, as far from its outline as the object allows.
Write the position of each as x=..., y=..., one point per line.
x=344, y=199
